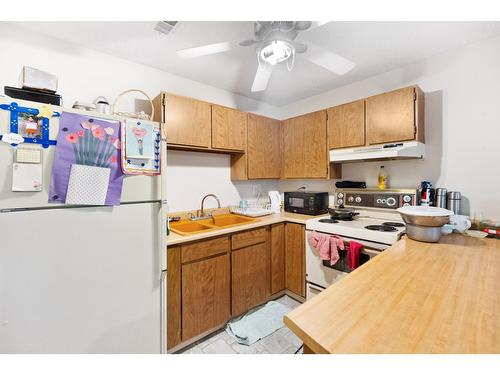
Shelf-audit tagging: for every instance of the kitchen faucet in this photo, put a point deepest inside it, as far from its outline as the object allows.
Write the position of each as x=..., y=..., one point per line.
x=201, y=213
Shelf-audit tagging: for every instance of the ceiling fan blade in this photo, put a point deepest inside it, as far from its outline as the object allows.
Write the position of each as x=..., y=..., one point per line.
x=209, y=49
x=328, y=60
x=262, y=77
x=300, y=47
x=315, y=24
x=248, y=42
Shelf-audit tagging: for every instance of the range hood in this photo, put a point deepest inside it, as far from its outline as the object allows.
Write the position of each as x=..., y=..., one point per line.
x=390, y=151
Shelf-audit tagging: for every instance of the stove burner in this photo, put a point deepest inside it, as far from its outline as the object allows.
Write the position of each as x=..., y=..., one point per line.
x=381, y=228
x=331, y=221
x=333, y=217
x=393, y=224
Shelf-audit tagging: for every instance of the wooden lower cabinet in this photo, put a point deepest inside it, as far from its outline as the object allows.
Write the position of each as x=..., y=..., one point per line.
x=295, y=267
x=205, y=295
x=209, y=281
x=277, y=244
x=249, y=277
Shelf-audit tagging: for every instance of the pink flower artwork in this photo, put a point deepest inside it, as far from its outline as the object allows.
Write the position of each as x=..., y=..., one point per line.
x=98, y=132
x=86, y=125
x=116, y=144
x=72, y=138
x=80, y=133
x=109, y=131
x=113, y=159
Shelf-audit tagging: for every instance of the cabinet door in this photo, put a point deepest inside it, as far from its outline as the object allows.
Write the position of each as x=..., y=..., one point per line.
x=264, y=151
x=229, y=129
x=205, y=295
x=304, y=146
x=346, y=125
x=250, y=277
x=295, y=270
x=390, y=117
x=187, y=121
x=277, y=258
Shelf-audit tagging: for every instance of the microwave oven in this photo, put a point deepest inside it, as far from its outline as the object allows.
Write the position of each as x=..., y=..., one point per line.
x=306, y=202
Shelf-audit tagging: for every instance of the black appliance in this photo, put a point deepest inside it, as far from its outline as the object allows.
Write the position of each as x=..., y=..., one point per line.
x=33, y=95
x=306, y=202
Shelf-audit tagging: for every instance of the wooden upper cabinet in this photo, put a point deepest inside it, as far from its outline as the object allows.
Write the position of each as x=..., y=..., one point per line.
x=346, y=125
x=395, y=116
x=263, y=151
x=304, y=146
x=229, y=129
x=187, y=121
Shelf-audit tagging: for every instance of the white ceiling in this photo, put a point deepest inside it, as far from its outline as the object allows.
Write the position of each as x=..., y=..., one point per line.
x=375, y=47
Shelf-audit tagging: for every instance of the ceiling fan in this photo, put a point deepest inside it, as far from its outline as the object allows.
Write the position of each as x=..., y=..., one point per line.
x=275, y=43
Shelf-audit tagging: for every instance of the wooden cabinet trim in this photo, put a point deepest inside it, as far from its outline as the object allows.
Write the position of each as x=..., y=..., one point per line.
x=295, y=270
x=277, y=257
x=248, y=238
x=174, y=296
x=204, y=249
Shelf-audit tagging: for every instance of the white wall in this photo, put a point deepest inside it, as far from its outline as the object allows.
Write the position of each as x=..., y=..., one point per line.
x=85, y=74
x=462, y=124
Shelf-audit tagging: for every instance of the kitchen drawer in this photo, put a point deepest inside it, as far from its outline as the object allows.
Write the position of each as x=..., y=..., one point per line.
x=248, y=238
x=204, y=249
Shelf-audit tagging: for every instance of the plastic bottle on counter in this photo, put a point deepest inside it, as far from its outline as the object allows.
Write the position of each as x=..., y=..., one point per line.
x=383, y=178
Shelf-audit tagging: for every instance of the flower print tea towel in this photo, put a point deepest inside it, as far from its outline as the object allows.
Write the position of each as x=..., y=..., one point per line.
x=87, y=141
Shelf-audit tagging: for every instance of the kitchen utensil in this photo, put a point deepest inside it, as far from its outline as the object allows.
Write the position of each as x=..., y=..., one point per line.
x=350, y=185
x=441, y=194
x=423, y=233
x=425, y=215
x=275, y=200
x=454, y=200
x=342, y=213
x=460, y=223
x=102, y=105
x=84, y=106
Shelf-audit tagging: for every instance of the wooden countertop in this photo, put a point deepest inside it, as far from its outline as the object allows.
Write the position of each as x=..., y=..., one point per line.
x=413, y=298
x=175, y=239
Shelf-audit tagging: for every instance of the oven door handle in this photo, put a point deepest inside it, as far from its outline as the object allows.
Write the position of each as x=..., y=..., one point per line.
x=314, y=287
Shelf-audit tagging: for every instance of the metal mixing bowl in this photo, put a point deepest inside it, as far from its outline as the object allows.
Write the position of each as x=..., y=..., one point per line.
x=423, y=233
x=425, y=221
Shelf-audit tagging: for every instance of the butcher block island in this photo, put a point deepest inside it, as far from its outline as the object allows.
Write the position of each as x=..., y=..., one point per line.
x=413, y=298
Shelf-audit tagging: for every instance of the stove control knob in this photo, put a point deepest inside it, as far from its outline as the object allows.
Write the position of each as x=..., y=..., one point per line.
x=407, y=198
x=358, y=199
x=340, y=202
x=340, y=195
x=391, y=201
x=406, y=204
x=350, y=199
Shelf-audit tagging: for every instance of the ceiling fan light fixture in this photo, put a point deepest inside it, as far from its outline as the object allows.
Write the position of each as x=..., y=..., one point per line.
x=276, y=51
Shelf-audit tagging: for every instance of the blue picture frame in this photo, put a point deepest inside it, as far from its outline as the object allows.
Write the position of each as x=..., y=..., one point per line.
x=15, y=109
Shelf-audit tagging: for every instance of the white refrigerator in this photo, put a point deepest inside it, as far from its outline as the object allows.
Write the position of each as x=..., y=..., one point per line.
x=80, y=279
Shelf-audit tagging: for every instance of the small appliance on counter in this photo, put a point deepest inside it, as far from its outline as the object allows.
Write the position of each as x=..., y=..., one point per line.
x=425, y=194
x=306, y=202
x=275, y=201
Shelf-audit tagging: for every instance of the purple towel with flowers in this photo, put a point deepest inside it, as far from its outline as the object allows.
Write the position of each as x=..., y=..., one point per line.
x=90, y=141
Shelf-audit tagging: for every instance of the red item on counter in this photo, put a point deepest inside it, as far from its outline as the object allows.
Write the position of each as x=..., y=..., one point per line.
x=353, y=254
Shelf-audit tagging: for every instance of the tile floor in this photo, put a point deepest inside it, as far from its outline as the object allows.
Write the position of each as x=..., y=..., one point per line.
x=282, y=341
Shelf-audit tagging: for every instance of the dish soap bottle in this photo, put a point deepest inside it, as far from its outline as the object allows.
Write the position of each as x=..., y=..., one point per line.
x=383, y=178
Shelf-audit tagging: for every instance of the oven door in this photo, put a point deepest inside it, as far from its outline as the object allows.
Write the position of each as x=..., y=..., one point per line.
x=320, y=276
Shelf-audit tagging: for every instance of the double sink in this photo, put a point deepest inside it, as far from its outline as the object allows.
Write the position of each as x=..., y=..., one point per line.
x=185, y=227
